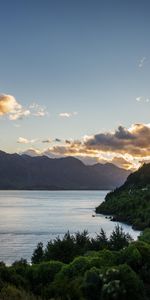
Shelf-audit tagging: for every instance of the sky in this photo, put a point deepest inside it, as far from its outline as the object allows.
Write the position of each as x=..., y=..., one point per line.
x=74, y=79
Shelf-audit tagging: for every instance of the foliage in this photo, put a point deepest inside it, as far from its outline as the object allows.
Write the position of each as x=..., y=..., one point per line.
x=100, y=242
x=70, y=246
x=92, y=284
x=145, y=236
x=38, y=254
x=119, y=239
x=121, y=282
x=131, y=202
x=119, y=270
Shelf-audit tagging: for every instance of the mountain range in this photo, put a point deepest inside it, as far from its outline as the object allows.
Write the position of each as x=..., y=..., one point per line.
x=43, y=173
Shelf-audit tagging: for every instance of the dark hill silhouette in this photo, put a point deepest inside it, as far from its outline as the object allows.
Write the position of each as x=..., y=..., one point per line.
x=40, y=172
x=131, y=202
x=140, y=178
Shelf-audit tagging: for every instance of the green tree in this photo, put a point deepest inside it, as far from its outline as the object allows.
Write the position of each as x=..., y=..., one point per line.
x=119, y=239
x=82, y=242
x=62, y=250
x=38, y=254
x=100, y=242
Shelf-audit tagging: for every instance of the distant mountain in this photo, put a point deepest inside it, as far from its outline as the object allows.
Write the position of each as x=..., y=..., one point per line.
x=131, y=202
x=40, y=172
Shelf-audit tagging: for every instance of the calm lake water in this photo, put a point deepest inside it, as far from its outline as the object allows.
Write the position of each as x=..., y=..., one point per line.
x=28, y=217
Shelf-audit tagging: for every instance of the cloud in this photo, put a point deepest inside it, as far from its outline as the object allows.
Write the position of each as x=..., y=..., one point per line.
x=142, y=99
x=87, y=160
x=121, y=162
x=47, y=141
x=37, y=152
x=141, y=62
x=18, y=115
x=125, y=147
x=22, y=140
x=67, y=114
x=123, y=133
x=38, y=110
x=67, y=142
x=9, y=106
x=135, y=141
x=58, y=152
x=138, y=99
x=32, y=152
x=15, y=111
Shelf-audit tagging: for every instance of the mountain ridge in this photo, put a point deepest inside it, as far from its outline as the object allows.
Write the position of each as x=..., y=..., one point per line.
x=41, y=172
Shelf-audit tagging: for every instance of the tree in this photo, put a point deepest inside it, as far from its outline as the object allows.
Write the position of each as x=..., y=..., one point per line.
x=119, y=239
x=61, y=249
x=102, y=239
x=38, y=254
x=82, y=242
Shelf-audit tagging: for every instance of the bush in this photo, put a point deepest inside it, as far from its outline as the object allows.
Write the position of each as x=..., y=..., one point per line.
x=121, y=282
x=92, y=284
x=131, y=256
x=10, y=292
x=145, y=236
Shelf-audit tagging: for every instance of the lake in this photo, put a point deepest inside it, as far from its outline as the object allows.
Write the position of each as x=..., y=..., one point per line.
x=29, y=217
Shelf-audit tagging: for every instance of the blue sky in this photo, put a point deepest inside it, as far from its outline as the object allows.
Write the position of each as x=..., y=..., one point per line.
x=90, y=57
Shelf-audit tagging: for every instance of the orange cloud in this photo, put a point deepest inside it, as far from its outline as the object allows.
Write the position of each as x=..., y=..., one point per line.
x=126, y=148
x=8, y=104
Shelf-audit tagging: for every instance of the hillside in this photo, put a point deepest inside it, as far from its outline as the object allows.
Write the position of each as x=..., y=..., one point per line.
x=131, y=202
x=41, y=172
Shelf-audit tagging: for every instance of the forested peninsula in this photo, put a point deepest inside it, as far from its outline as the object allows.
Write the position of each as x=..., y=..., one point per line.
x=131, y=202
